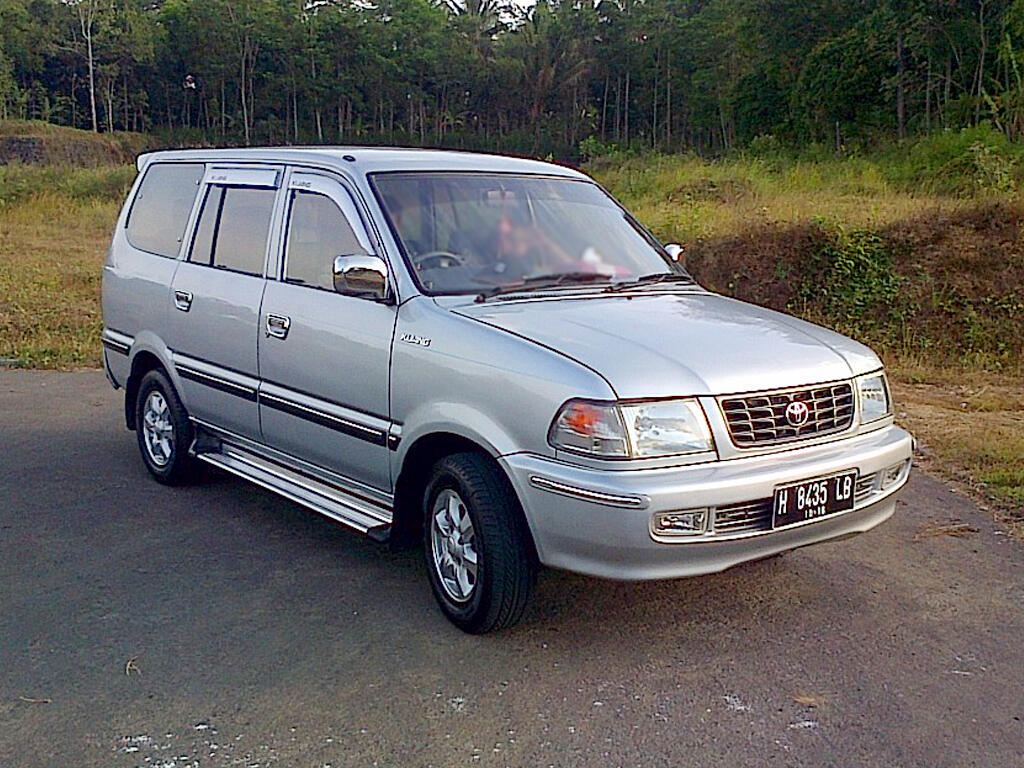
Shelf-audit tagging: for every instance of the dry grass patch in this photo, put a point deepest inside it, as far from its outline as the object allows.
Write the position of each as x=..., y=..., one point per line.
x=51, y=257
x=688, y=199
x=970, y=427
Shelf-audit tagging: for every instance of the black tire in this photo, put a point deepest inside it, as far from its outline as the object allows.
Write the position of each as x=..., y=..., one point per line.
x=506, y=568
x=178, y=468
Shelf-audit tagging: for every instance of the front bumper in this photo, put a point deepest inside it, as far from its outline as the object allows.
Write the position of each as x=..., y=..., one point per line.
x=598, y=522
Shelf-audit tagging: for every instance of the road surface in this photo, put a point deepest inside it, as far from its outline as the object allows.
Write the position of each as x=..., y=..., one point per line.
x=219, y=625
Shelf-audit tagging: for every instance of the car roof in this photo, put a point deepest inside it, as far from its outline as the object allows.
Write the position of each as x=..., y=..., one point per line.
x=367, y=160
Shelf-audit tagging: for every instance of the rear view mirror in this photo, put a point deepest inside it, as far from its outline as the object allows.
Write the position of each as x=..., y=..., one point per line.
x=361, y=276
x=674, y=250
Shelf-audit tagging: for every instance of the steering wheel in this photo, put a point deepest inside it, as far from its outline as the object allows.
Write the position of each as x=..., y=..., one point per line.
x=445, y=259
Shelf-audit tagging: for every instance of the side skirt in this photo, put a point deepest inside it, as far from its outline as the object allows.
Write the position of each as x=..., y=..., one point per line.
x=331, y=500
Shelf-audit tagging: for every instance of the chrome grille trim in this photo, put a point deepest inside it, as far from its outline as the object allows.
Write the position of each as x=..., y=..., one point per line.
x=744, y=518
x=759, y=419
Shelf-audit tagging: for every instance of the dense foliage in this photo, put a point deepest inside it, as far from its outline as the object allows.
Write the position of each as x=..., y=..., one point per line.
x=672, y=74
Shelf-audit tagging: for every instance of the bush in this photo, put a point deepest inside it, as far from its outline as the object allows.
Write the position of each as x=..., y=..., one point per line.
x=852, y=282
x=958, y=163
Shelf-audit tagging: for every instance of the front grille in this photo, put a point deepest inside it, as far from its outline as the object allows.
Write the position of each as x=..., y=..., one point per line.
x=760, y=419
x=743, y=518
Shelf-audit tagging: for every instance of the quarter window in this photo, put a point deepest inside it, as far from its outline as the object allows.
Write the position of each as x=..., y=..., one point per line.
x=233, y=229
x=318, y=231
x=159, y=213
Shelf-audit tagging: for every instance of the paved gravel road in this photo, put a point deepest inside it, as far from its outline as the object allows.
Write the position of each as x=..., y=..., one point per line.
x=219, y=625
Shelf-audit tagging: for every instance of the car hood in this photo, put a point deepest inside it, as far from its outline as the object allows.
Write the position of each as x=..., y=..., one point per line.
x=680, y=343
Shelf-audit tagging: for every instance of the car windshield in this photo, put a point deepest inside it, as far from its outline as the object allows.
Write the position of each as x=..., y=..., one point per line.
x=469, y=233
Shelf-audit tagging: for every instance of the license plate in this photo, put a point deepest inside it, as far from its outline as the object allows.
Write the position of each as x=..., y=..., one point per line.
x=811, y=499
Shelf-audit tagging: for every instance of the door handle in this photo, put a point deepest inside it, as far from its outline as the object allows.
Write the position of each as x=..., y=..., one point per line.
x=183, y=300
x=278, y=325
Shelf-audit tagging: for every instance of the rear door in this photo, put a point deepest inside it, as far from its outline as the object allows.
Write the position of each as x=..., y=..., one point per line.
x=324, y=357
x=216, y=294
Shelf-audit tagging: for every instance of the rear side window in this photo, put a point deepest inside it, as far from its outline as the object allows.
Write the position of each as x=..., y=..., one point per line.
x=159, y=213
x=233, y=229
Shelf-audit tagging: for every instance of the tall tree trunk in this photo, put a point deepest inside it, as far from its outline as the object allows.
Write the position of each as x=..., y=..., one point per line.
x=982, y=54
x=618, y=109
x=947, y=89
x=901, y=106
x=108, y=94
x=604, y=108
x=654, y=106
x=668, y=97
x=245, y=100
x=625, y=115
x=287, y=117
x=86, y=21
x=928, y=99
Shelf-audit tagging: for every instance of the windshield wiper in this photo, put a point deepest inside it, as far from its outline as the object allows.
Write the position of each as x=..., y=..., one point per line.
x=652, y=279
x=540, y=282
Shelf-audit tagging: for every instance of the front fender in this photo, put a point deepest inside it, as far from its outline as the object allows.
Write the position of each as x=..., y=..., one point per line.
x=455, y=419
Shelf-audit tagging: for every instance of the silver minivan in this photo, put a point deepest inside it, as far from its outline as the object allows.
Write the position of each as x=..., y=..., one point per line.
x=486, y=354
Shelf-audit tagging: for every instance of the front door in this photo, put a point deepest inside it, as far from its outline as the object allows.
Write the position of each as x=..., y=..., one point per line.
x=215, y=299
x=324, y=357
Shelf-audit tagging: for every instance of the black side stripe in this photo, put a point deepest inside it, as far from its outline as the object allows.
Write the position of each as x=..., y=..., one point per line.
x=214, y=382
x=116, y=346
x=350, y=428
x=315, y=396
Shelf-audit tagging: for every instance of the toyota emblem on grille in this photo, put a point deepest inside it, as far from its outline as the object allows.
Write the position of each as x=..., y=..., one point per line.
x=797, y=413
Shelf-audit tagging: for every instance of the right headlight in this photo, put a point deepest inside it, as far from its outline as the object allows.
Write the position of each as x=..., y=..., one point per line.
x=632, y=430
x=873, y=394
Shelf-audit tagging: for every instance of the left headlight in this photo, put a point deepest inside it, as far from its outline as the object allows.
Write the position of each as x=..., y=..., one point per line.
x=873, y=392
x=648, y=429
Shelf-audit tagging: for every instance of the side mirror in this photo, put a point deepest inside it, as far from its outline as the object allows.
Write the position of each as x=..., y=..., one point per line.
x=362, y=276
x=675, y=250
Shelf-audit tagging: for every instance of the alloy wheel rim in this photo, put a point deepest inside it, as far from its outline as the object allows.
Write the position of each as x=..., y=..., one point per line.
x=157, y=430
x=453, y=545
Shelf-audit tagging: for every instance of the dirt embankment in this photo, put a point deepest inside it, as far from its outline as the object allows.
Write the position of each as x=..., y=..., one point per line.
x=41, y=144
x=943, y=284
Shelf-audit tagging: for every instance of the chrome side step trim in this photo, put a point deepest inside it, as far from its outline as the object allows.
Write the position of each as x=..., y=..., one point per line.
x=328, y=500
x=218, y=435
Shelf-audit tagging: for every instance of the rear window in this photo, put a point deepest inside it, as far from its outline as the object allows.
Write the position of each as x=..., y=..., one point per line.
x=159, y=214
x=233, y=229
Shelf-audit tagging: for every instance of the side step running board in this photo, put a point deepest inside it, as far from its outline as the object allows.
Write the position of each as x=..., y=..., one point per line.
x=328, y=500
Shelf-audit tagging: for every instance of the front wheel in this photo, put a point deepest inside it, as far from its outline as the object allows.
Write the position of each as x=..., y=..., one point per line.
x=479, y=556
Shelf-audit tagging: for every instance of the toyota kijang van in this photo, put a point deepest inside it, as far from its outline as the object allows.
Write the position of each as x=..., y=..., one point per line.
x=487, y=354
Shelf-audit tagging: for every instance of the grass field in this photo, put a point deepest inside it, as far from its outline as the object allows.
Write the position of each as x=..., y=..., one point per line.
x=55, y=225
x=939, y=293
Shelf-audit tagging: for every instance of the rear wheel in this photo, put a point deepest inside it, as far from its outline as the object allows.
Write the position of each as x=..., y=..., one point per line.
x=163, y=430
x=478, y=551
